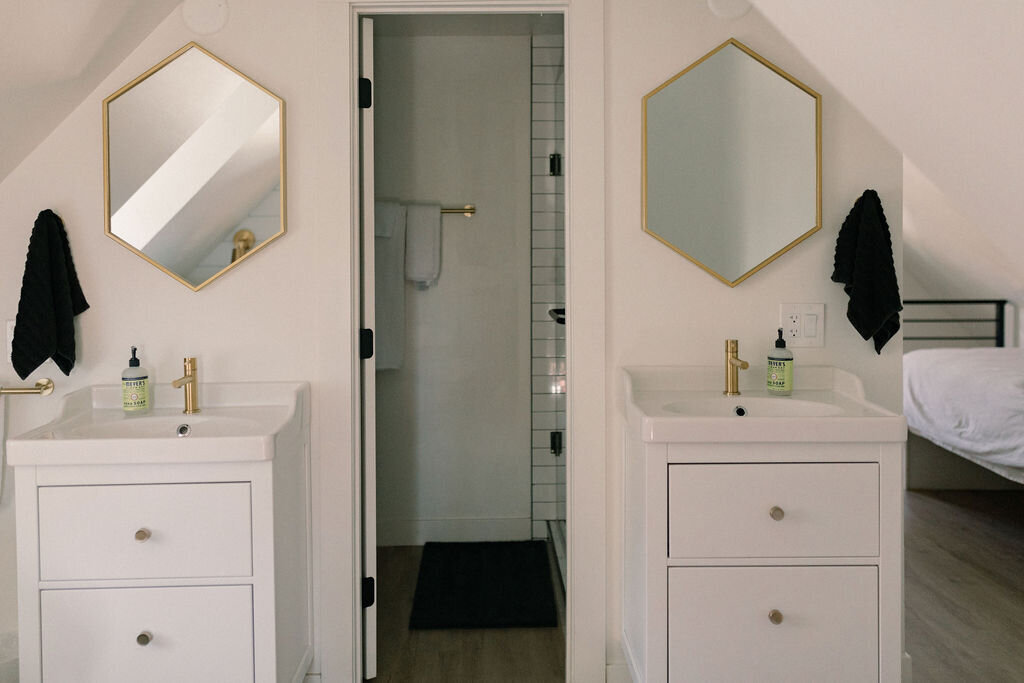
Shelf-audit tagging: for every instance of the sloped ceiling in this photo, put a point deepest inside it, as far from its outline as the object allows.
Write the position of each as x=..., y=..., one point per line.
x=53, y=53
x=940, y=80
x=951, y=257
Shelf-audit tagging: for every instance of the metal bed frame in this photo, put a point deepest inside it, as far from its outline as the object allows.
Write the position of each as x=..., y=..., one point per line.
x=989, y=325
x=929, y=323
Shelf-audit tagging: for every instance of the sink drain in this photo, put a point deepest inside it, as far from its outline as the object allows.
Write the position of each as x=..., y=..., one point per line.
x=183, y=430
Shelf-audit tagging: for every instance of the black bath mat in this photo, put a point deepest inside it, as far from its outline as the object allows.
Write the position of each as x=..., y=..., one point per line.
x=484, y=585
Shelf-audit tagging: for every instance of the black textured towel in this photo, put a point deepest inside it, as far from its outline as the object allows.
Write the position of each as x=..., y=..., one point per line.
x=50, y=299
x=864, y=264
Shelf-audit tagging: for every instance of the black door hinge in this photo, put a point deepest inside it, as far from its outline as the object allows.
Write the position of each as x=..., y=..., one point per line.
x=555, y=164
x=365, y=93
x=369, y=588
x=365, y=343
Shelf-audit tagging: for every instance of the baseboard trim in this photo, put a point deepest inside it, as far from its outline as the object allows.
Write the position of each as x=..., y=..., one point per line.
x=420, y=531
x=617, y=673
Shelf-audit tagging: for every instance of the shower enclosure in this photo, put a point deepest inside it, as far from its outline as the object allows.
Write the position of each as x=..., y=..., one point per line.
x=548, y=360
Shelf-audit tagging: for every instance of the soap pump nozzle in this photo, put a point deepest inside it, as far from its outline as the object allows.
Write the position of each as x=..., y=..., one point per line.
x=780, y=368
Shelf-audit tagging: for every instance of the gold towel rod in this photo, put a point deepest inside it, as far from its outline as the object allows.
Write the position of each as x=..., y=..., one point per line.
x=43, y=387
x=467, y=211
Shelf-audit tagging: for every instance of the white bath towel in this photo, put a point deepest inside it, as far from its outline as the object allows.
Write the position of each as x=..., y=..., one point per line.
x=389, y=279
x=423, y=244
x=386, y=215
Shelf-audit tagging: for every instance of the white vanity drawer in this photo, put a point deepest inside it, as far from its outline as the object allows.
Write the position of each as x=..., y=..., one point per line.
x=823, y=510
x=197, y=634
x=720, y=626
x=100, y=532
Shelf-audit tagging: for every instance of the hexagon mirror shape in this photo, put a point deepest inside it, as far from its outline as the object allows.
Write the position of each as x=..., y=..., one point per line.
x=193, y=161
x=732, y=162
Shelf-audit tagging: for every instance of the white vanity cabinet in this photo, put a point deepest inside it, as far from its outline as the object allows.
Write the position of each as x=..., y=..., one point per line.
x=167, y=571
x=765, y=560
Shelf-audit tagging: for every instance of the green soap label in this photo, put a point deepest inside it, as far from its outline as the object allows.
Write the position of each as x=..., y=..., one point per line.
x=780, y=375
x=135, y=393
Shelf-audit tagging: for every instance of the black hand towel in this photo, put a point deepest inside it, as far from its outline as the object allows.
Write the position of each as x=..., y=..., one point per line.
x=864, y=264
x=50, y=299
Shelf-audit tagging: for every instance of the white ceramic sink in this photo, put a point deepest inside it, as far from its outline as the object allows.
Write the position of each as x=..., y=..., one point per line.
x=237, y=422
x=717, y=405
x=686, y=404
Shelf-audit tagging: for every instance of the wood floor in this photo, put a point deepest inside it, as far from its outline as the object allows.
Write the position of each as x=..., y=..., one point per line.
x=515, y=655
x=964, y=605
x=965, y=585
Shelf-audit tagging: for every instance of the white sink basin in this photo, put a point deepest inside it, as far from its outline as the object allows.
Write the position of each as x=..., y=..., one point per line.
x=237, y=422
x=750, y=406
x=210, y=423
x=686, y=404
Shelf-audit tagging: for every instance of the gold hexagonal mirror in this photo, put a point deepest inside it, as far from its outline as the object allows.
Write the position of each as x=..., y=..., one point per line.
x=193, y=161
x=732, y=162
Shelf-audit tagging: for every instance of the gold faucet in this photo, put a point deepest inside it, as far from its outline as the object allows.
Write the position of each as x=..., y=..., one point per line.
x=191, y=383
x=732, y=367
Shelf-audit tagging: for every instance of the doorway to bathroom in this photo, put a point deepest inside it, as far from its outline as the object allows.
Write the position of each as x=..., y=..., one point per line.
x=464, y=409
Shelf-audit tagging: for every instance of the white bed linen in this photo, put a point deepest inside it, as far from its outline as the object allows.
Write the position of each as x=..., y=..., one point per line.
x=969, y=401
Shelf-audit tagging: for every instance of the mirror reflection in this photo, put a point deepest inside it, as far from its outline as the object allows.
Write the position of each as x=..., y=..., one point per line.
x=732, y=161
x=194, y=166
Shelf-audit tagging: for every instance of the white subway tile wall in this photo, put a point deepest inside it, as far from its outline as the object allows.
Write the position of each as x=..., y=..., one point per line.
x=548, y=280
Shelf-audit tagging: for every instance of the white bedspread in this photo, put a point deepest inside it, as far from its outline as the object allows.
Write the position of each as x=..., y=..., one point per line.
x=969, y=401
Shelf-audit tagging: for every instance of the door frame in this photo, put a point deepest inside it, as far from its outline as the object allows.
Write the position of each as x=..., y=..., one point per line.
x=587, y=592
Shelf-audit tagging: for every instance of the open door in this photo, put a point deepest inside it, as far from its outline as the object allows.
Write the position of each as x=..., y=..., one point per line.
x=368, y=366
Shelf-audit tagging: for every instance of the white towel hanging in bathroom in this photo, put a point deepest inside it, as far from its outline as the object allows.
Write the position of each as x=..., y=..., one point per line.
x=389, y=281
x=423, y=244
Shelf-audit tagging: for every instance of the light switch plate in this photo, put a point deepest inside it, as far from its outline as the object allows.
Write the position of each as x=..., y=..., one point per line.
x=802, y=324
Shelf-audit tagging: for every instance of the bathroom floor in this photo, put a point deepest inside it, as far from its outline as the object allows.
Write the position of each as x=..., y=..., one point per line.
x=964, y=591
x=510, y=654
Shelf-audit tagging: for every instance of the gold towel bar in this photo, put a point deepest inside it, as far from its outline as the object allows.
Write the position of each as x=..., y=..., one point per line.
x=467, y=211
x=43, y=387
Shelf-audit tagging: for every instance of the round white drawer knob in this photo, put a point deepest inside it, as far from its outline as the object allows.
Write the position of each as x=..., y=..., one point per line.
x=775, y=616
x=143, y=535
x=777, y=513
x=144, y=638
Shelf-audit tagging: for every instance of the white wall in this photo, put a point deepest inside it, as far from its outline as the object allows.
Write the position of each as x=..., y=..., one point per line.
x=298, y=323
x=452, y=125
x=663, y=309
x=947, y=253
x=84, y=42
x=931, y=75
x=288, y=312
x=260, y=322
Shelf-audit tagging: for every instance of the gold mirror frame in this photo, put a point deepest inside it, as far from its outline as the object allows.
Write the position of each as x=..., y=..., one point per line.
x=787, y=241
x=241, y=243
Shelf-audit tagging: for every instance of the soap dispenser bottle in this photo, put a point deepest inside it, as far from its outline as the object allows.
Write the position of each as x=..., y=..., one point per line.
x=134, y=387
x=780, y=369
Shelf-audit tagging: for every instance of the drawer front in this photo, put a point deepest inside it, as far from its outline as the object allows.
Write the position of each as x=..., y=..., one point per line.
x=145, y=531
x=720, y=625
x=197, y=634
x=822, y=510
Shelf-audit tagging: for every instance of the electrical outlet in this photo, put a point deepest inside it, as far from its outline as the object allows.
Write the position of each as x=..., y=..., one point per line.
x=802, y=324
x=791, y=326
